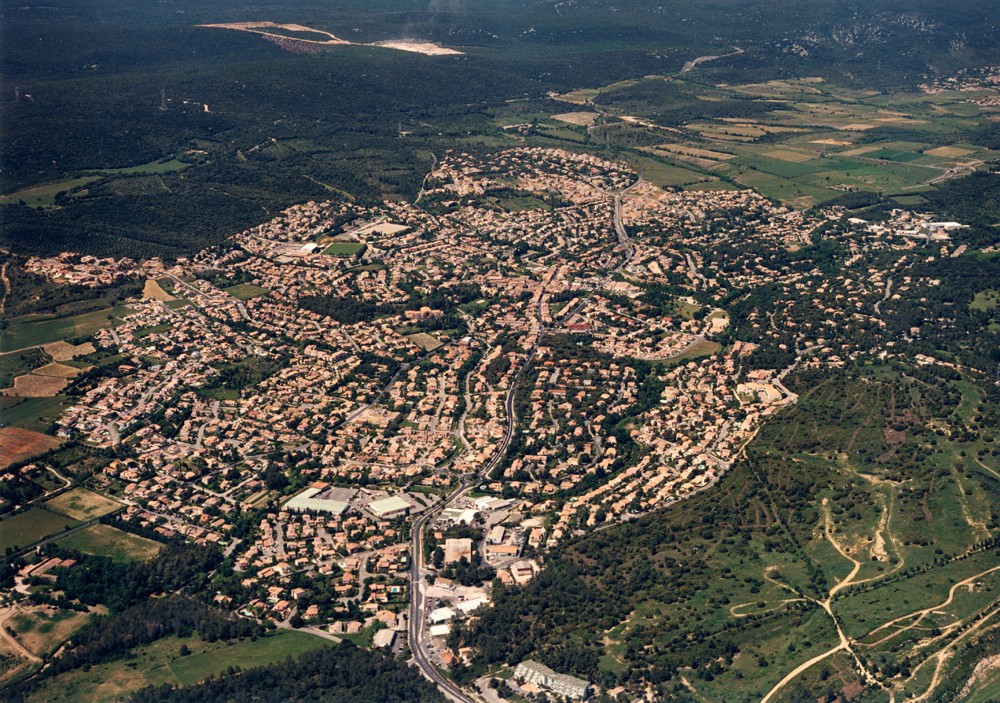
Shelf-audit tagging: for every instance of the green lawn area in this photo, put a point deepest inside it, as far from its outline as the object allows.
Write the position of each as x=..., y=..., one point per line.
x=31, y=413
x=23, y=332
x=30, y=526
x=245, y=291
x=44, y=194
x=345, y=249
x=107, y=541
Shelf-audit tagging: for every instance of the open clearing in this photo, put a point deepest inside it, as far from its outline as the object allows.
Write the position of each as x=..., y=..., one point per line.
x=43, y=194
x=42, y=630
x=288, y=35
x=17, y=444
x=160, y=663
x=30, y=526
x=424, y=341
x=82, y=504
x=107, y=541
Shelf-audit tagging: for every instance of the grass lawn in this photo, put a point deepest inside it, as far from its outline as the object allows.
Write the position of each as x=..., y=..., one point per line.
x=107, y=541
x=23, y=333
x=245, y=291
x=30, y=526
x=82, y=504
x=345, y=249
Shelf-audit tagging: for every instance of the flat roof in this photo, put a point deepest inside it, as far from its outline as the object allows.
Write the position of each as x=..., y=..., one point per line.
x=391, y=504
x=306, y=501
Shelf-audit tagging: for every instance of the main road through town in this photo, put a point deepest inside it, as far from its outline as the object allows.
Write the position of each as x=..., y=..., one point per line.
x=417, y=633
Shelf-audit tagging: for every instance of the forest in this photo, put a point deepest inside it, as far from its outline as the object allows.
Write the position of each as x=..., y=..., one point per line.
x=231, y=128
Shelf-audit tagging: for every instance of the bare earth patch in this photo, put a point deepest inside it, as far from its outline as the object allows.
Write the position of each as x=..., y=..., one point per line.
x=948, y=151
x=580, y=119
x=18, y=445
x=152, y=290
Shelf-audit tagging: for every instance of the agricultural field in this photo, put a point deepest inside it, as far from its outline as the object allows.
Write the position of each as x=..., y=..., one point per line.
x=18, y=444
x=246, y=291
x=161, y=662
x=30, y=526
x=22, y=333
x=81, y=504
x=811, y=141
x=107, y=541
x=35, y=414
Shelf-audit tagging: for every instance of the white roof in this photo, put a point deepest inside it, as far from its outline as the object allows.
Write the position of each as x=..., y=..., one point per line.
x=392, y=504
x=473, y=604
x=441, y=615
x=440, y=630
x=306, y=501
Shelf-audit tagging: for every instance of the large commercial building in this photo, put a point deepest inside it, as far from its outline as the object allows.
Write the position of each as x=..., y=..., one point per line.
x=541, y=675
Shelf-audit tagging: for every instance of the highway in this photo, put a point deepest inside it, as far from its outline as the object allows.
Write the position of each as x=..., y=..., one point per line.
x=416, y=632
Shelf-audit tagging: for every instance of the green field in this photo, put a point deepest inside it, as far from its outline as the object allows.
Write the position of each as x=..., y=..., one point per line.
x=345, y=249
x=31, y=413
x=107, y=541
x=43, y=195
x=22, y=333
x=161, y=663
x=153, y=167
x=245, y=291
x=30, y=526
